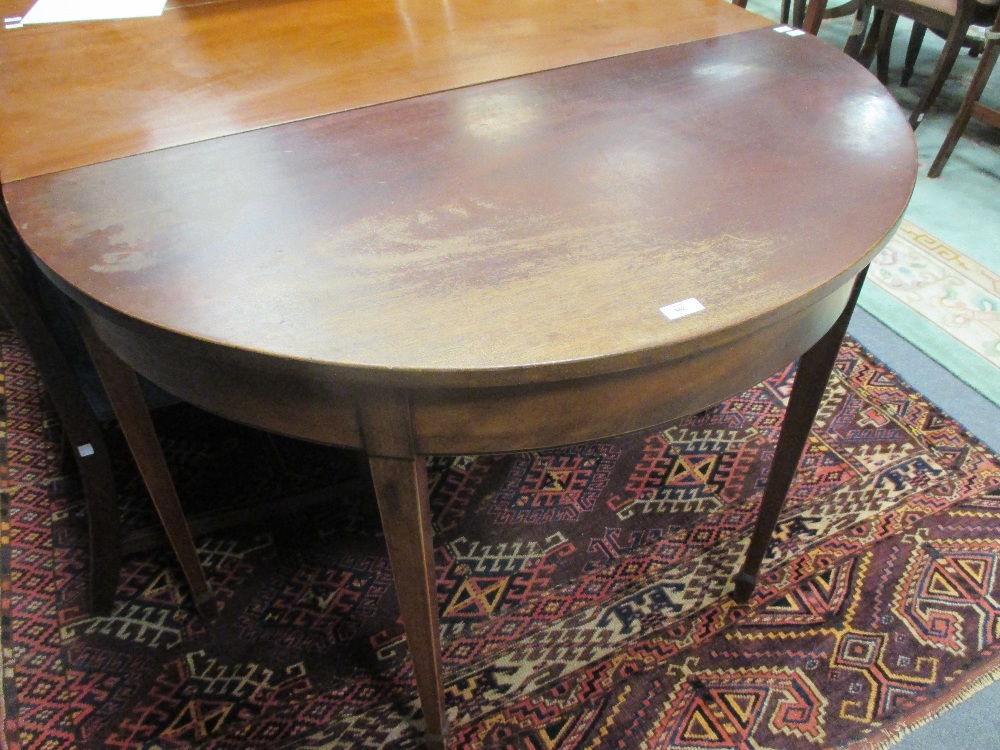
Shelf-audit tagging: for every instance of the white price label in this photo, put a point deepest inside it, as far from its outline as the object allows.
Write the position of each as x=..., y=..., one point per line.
x=682, y=308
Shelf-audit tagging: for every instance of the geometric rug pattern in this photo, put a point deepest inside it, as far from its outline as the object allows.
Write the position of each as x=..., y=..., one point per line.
x=583, y=592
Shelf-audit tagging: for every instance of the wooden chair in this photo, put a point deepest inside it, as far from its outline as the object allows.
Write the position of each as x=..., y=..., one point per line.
x=950, y=19
x=785, y=7
x=971, y=107
x=917, y=35
x=809, y=16
x=22, y=303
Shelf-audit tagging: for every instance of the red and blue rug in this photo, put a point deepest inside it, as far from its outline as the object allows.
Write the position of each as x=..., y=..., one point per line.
x=583, y=591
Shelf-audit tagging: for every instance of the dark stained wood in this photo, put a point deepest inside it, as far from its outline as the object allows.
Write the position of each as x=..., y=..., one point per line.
x=20, y=306
x=809, y=16
x=969, y=12
x=21, y=302
x=469, y=238
x=811, y=378
x=986, y=114
x=953, y=26
x=483, y=268
x=971, y=107
x=306, y=403
x=122, y=387
x=917, y=35
x=210, y=521
x=400, y=478
x=74, y=94
x=887, y=29
x=815, y=11
x=547, y=414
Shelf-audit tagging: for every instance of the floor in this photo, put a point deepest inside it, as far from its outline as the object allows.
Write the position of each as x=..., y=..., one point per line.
x=962, y=208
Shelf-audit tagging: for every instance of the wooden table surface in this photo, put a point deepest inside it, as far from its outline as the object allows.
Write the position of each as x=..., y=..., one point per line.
x=418, y=227
x=526, y=230
x=80, y=93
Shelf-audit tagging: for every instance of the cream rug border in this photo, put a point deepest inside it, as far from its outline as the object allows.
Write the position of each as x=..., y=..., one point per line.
x=942, y=301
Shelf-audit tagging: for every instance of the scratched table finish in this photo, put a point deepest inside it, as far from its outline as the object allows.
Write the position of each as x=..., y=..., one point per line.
x=450, y=227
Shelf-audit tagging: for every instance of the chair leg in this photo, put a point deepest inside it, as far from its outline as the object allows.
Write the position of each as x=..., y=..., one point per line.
x=811, y=16
x=125, y=395
x=976, y=87
x=952, y=46
x=867, y=52
x=885, y=33
x=912, y=50
x=82, y=431
x=799, y=13
x=857, y=34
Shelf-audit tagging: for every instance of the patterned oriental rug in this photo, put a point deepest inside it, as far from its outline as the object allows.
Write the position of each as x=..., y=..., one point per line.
x=583, y=592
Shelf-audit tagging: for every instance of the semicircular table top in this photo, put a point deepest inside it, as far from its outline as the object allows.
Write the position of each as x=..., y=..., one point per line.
x=470, y=235
x=443, y=226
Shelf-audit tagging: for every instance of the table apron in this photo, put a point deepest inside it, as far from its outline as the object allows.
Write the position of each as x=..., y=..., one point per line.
x=299, y=399
x=573, y=411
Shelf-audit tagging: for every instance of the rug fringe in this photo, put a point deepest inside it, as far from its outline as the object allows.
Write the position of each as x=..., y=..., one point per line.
x=891, y=737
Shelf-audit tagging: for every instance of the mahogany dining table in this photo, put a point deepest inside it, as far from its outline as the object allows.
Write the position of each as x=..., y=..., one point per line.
x=419, y=227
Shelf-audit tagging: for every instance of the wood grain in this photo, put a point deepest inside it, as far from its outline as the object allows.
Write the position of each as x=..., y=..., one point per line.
x=80, y=93
x=520, y=231
x=399, y=476
x=125, y=395
x=472, y=270
x=302, y=399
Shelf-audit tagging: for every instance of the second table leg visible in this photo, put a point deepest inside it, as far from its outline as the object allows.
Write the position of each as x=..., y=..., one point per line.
x=403, y=502
x=810, y=382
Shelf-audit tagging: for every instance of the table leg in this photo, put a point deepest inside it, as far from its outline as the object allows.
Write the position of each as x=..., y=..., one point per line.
x=811, y=377
x=403, y=501
x=125, y=396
